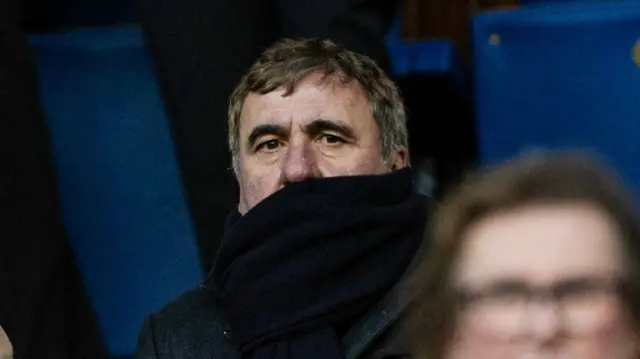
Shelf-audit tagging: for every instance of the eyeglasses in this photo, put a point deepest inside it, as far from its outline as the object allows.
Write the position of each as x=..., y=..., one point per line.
x=503, y=309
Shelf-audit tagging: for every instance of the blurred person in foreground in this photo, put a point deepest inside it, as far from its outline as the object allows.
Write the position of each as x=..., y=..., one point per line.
x=538, y=258
x=327, y=220
x=6, y=349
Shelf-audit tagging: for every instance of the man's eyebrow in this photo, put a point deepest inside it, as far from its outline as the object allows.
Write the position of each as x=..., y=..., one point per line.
x=265, y=129
x=322, y=125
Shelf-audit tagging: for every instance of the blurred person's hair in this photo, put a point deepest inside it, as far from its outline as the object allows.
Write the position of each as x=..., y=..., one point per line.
x=537, y=178
x=289, y=61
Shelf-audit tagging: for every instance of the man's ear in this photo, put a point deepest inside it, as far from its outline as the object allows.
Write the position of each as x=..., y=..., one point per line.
x=399, y=159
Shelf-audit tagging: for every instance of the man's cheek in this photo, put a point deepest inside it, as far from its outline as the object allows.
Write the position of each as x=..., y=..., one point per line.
x=260, y=186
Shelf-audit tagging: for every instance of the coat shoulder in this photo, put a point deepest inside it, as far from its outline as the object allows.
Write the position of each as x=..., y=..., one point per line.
x=191, y=326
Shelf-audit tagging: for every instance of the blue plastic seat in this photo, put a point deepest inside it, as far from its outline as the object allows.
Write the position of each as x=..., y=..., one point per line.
x=418, y=57
x=122, y=198
x=560, y=76
x=553, y=2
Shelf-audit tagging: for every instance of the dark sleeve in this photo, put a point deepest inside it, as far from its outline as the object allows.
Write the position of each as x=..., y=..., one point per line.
x=146, y=341
x=358, y=25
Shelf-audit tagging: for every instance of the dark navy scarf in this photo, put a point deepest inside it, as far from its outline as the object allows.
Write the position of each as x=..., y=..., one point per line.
x=312, y=255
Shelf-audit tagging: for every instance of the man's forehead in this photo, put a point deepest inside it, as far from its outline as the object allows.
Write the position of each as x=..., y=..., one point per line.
x=310, y=89
x=305, y=105
x=286, y=125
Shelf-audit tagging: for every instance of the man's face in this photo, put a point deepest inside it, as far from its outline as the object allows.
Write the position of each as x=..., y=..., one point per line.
x=323, y=129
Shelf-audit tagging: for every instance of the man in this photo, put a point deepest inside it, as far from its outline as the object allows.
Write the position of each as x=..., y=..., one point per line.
x=201, y=49
x=327, y=220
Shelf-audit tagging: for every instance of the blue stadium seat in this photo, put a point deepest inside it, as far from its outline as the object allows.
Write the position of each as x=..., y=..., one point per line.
x=122, y=198
x=559, y=76
x=418, y=57
x=546, y=2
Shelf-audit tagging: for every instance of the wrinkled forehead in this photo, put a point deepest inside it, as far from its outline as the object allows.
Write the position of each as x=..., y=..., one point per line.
x=541, y=244
x=313, y=98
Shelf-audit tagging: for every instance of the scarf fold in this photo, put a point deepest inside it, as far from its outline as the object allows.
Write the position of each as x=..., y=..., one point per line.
x=312, y=255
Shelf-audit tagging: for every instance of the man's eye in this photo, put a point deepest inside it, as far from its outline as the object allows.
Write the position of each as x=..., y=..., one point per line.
x=269, y=146
x=331, y=139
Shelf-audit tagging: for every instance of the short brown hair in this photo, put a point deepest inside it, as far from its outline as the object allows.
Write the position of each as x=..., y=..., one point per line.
x=289, y=61
x=569, y=177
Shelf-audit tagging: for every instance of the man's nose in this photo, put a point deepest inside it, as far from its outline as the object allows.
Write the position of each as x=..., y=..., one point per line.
x=299, y=162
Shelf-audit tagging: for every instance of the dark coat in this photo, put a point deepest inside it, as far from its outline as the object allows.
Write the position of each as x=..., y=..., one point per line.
x=193, y=327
